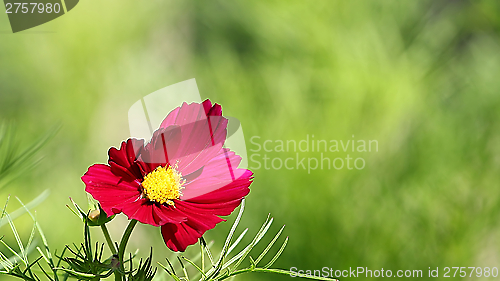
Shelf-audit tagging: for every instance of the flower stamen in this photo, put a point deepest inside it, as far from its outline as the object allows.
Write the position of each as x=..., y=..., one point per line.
x=163, y=185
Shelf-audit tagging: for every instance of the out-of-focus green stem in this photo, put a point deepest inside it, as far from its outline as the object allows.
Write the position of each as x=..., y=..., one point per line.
x=108, y=239
x=118, y=276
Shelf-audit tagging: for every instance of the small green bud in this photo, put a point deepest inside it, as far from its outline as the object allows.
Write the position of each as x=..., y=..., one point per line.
x=94, y=215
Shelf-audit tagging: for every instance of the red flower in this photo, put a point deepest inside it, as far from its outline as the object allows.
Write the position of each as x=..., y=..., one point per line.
x=182, y=180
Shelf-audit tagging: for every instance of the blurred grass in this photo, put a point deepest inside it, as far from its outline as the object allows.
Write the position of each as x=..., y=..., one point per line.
x=421, y=77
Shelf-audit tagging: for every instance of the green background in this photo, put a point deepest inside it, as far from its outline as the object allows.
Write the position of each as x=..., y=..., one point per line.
x=420, y=77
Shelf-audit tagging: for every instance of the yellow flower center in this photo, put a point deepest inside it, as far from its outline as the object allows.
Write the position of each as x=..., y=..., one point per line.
x=163, y=185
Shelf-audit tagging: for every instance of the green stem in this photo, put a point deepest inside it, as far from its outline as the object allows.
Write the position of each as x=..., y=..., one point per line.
x=202, y=257
x=279, y=271
x=121, y=250
x=118, y=276
x=108, y=239
x=123, y=243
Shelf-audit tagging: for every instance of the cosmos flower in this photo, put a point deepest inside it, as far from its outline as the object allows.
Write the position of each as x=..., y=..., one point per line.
x=182, y=180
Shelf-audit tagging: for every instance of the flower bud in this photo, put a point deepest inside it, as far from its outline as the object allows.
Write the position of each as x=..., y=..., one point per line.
x=94, y=215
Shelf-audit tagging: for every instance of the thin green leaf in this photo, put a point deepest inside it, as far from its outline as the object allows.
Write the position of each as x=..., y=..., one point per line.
x=263, y=230
x=183, y=268
x=215, y=270
x=237, y=241
x=12, y=250
x=171, y=267
x=197, y=257
x=45, y=273
x=269, y=246
x=195, y=266
x=16, y=163
x=277, y=254
x=252, y=263
x=61, y=257
x=40, y=231
x=31, y=264
x=43, y=255
x=33, y=203
x=4, y=210
x=14, y=259
x=169, y=273
x=231, y=232
x=74, y=212
x=78, y=274
x=6, y=262
x=30, y=240
x=209, y=253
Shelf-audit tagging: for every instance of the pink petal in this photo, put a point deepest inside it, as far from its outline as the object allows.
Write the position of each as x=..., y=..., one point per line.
x=218, y=173
x=122, y=161
x=201, y=138
x=151, y=213
x=163, y=145
x=215, y=110
x=109, y=189
x=220, y=208
x=178, y=236
x=234, y=190
x=185, y=114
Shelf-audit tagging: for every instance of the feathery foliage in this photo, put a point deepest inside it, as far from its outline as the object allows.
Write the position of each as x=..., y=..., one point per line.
x=227, y=265
x=87, y=261
x=15, y=160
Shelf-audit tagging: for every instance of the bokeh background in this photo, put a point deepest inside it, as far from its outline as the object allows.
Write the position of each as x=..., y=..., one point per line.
x=420, y=77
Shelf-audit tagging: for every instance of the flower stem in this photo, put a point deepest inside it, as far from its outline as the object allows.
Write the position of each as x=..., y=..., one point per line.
x=119, y=274
x=108, y=239
x=202, y=257
x=124, y=241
